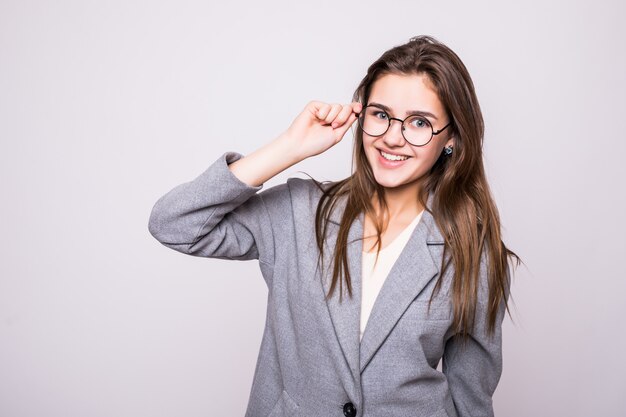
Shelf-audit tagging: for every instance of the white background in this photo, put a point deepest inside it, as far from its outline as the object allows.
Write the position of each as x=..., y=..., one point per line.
x=105, y=106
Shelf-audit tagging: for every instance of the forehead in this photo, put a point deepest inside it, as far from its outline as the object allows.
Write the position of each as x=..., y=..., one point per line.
x=406, y=92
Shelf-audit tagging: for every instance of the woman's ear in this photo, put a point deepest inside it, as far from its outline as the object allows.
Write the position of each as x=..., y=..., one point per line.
x=450, y=142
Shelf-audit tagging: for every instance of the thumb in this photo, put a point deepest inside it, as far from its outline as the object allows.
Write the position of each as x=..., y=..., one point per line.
x=341, y=130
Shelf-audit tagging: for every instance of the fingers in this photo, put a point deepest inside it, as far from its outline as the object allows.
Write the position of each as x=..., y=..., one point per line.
x=336, y=114
x=342, y=129
x=349, y=113
x=342, y=116
x=327, y=112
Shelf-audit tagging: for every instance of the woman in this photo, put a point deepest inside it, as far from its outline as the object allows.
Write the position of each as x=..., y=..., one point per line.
x=376, y=278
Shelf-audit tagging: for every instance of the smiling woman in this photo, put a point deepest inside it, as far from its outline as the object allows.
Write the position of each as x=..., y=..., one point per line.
x=395, y=162
x=439, y=290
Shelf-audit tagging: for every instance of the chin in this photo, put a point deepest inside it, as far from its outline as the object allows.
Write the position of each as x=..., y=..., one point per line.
x=387, y=182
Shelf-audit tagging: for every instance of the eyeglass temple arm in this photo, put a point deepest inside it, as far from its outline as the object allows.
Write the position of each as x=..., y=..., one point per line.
x=442, y=129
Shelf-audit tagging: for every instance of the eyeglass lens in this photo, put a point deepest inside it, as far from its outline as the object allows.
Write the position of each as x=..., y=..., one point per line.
x=374, y=121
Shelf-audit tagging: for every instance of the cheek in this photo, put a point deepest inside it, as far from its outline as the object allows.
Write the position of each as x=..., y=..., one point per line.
x=428, y=156
x=369, y=148
x=433, y=156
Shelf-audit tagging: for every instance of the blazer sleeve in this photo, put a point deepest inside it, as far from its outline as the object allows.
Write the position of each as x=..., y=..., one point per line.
x=473, y=371
x=216, y=215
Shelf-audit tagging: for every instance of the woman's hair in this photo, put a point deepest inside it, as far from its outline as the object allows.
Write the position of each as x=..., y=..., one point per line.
x=462, y=205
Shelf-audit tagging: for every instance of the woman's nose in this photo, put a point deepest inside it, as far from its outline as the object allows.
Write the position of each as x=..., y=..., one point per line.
x=393, y=136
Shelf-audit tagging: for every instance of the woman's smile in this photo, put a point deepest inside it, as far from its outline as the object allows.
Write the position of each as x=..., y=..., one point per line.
x=391, y=160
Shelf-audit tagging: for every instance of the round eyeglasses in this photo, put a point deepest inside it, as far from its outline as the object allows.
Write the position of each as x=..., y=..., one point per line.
x=416, y=129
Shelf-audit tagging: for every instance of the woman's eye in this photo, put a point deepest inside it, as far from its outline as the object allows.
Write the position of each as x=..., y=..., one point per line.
x=380, y=114
x=419, y=123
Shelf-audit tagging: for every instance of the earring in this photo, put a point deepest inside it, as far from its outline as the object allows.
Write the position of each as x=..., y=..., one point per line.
x=447, y=150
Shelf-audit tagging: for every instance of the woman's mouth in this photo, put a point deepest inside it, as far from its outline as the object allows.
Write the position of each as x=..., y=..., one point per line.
x=390, y=160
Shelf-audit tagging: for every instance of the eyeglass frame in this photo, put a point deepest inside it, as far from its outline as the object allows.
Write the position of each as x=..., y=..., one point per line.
x=433, y=132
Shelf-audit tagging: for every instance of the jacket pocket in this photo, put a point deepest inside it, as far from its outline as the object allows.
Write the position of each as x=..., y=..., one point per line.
x=284, y=406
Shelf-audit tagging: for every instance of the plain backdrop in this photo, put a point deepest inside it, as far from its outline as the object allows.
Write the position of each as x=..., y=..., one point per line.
x=107, y=105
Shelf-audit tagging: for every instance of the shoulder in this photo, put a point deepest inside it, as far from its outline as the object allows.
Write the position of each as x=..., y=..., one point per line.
x=306, y=195
x=297, y=195
x=307, y=187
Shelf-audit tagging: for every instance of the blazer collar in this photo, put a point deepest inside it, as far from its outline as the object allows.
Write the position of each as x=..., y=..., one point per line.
x=412, y=271
x=434, y=235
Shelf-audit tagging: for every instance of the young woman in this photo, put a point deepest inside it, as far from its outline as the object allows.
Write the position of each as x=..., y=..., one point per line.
x=375, y=279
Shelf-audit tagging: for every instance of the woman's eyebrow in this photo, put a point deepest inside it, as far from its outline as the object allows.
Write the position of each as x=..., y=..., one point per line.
x=409, y=112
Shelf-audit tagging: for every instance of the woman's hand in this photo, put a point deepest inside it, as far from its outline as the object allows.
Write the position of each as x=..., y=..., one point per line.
x=321, y=126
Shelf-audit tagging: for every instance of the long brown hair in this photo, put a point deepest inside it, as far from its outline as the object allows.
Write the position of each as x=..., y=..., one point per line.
x=462, y=205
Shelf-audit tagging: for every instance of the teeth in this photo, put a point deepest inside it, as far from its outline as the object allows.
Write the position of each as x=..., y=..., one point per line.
x=393, y=157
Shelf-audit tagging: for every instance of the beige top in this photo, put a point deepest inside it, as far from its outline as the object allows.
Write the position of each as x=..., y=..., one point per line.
x=373, y=277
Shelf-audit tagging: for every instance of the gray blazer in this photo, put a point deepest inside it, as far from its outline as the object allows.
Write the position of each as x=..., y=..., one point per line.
x=311, y=362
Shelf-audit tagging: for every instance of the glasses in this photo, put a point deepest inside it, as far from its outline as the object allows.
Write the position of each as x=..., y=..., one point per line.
x=416, y=130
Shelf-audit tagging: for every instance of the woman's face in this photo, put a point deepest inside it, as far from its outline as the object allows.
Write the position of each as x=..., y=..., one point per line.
x=402, y=94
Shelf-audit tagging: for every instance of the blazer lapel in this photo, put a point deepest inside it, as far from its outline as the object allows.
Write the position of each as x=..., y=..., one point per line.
x=346, y=314
x=412, y=271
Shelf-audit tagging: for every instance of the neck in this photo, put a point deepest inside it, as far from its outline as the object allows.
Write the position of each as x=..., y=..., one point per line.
x=402, y=202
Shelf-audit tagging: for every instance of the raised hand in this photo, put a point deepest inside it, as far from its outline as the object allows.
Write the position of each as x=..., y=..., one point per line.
x=321, y=125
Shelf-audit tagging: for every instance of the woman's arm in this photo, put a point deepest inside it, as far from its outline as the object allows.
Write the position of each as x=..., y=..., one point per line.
x=267, y=162
x=317, y=128
x=220, y=215
x=217, y=215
